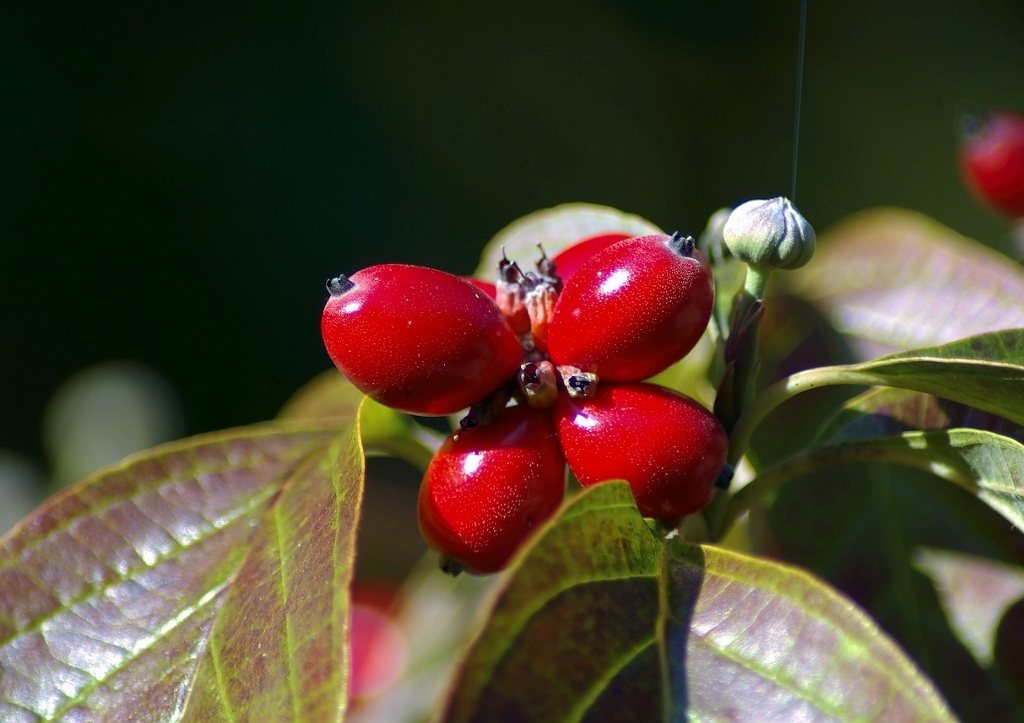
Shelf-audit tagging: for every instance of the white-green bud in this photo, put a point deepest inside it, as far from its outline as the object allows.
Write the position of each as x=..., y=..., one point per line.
x=769, y=233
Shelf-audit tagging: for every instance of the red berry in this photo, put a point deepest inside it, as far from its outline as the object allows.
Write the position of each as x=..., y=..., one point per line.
x=416, y=339
x=633, y=309
x=489, y=487
x=992, y=160
x=568, y=260
x=667, y=446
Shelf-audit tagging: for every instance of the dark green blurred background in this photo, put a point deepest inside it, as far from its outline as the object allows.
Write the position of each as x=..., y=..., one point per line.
x=178, y=180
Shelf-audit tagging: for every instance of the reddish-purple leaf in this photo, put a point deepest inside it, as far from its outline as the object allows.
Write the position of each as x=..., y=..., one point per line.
x=895, y=279
x=750, y=639
x=206, y=575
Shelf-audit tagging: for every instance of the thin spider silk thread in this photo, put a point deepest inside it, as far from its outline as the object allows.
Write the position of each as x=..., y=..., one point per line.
x=799, y=94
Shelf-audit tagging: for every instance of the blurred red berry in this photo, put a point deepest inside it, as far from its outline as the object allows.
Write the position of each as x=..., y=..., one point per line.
x=378, y=648
x=992, y=160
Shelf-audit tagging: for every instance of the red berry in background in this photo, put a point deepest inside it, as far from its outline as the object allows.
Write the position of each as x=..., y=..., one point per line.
x=992, y=160
x=568, y=260
x=633, y=309
x=489, y=487
x=666, y=445
x=378, y=647
x=417, y=339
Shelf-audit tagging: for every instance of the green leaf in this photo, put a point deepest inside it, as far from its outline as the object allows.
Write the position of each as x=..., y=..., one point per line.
x=975, y=592
x=585, y=599
x=203, y=580
x=988, y=465
x=555, y=228
x=886, y=411
x=985, y=371
x=729, y=276
x=860, y=526
x=600, y=620
x=895, y=279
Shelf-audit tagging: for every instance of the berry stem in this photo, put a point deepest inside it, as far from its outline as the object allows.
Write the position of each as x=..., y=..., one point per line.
x=749, y=361
x=742, y=352
x=756, y=281
x=718, y=513
x=736, y=390
x=415, y=446
x=773, y=478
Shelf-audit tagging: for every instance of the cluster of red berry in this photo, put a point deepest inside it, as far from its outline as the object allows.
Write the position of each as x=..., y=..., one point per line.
x=551, y=365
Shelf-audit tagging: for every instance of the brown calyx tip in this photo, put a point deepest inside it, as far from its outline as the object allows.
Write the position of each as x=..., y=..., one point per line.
x=450, y=566
x=339, y=285
x=577, y=382
x=682, y=245
x=538, y=383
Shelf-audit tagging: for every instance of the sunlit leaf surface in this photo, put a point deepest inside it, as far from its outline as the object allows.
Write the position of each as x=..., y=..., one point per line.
x=554, y=229
x=602, y=621
x=205, y=580
x=896, y=279
x=975, y=592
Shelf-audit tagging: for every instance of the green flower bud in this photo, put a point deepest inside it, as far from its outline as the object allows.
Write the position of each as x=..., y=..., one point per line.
x=769, y=233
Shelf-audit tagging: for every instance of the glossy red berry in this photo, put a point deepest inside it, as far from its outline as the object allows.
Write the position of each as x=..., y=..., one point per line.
x=417, y=339
x=568, y=260
x=992, y=160
x=666, y=445
x=489, y=487
x=633, y=309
